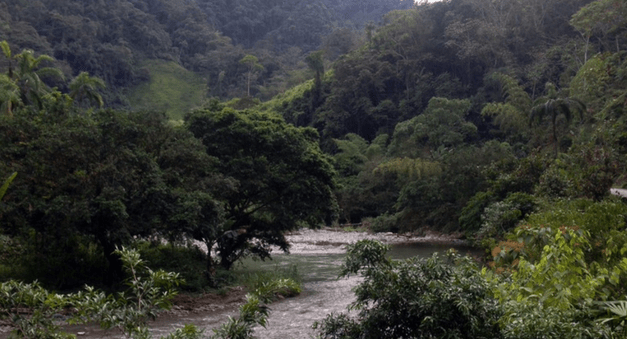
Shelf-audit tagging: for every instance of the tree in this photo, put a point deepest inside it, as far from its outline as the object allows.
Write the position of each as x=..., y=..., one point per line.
x=282, y=179
x=604, y=17
x=553, y=106
x=510, y=115
x=28, y=76
x=9, y=95
x=442, y=125
x=84, y=87
x=253, y=66
x=315, y=61
x=105, y=179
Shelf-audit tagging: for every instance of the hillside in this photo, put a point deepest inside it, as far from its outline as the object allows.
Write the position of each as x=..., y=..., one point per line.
x=112, y=40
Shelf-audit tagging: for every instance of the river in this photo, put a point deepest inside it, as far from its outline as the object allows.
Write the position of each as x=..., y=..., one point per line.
x=317, y=256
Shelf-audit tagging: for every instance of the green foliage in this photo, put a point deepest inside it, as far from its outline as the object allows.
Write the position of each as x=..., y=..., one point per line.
x=603, y=19
x=441, y=125
x=500, y=217
x=423, y=298
x=148, y=292
x=5, y=185
x=351, y=156
x=282, y=179
x=618, y=312
x=258, y=280
x=253, y=68
x=553, y=106
x=16, y=297
x=437, y=201
x=365, y=256
x=186, y=260
x=604, y=221
x=528, y=320
x=552, y=288
x=408, y=170
x=170, y=88
x=67, y=201
x=470, y=218
x=384, y=223
x=255, y=311
x=84, y=87
x=561, y=264
x=560, y=278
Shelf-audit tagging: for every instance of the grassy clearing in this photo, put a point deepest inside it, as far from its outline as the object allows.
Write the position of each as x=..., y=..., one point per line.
x=171, y=89
x=286, y=97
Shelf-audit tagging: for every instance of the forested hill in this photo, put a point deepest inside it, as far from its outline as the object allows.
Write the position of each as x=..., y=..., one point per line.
x=112, y=39
x=299, y=23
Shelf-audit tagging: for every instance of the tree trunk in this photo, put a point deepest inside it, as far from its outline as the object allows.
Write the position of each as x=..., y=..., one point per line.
x=114, y=272
x=555, y=137
x=211, y=270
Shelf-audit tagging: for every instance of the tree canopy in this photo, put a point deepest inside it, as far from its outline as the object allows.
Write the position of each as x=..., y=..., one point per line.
x=282, y=180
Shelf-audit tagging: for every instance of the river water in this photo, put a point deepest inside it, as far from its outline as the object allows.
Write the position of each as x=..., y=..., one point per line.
x=317, y=256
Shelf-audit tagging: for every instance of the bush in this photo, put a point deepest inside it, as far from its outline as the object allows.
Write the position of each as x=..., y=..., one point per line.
x=415, y=298
x=73, y=261
x=556, y=182
x=255, y=311
x=284, y=282
x=500, y=217
x=32, y=309
x=470, y=218
x=384, y=223
x=188, y=261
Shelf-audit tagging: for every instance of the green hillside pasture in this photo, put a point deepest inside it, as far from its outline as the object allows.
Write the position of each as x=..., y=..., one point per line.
x=297, y=92
x=171, y=89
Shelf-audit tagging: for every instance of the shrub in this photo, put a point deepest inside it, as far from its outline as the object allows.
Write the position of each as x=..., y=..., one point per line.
x=148, y=292
x=470, y=218
x=255, y=311
x=189, y=262
x=500, y=217
x=384, y=223
x=415, y=298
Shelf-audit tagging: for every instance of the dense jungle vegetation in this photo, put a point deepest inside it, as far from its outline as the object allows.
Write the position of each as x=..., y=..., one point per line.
x=502, y=121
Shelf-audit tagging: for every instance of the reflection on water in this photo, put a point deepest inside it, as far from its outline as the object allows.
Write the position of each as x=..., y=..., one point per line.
x=422, y=249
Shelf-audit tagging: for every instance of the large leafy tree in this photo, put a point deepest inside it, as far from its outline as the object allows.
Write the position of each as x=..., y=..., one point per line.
x=105, y=179
x=283, y=180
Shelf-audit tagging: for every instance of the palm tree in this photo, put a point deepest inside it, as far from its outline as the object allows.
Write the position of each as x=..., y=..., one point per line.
x=7, y=53
x=9, y=95
x=28, y=76
x=553, y=106
x=84, y=87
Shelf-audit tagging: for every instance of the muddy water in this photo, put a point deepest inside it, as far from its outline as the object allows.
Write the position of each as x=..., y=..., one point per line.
x=318, y=256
